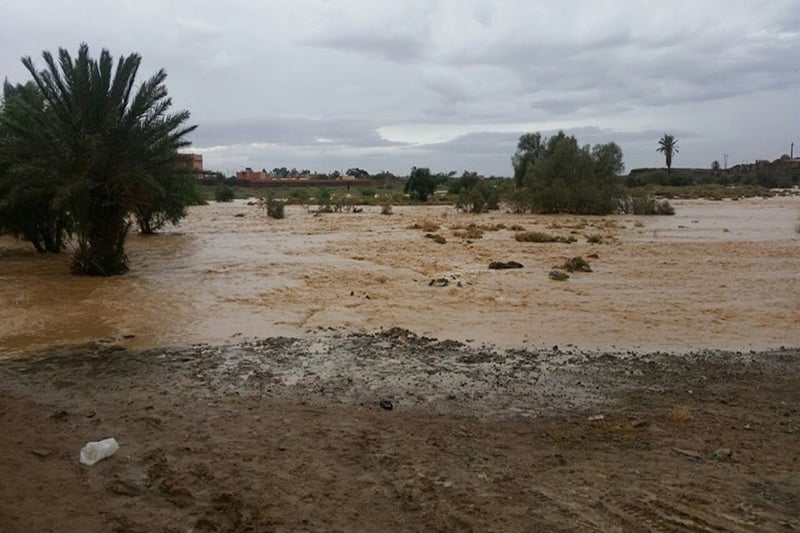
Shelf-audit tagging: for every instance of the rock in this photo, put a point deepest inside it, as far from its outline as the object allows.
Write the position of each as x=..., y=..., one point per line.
x=440, y=282
x=596, y=418
x=722, y=454
x=41, y=452
x=386, y=404
x=239, y=215
x=503, y=265
x=639, y=423
x=556, y=275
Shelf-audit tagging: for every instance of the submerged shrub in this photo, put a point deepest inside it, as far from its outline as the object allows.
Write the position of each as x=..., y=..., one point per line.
x=470, y=232
x=275, y=208
x=435, y=237
x=538, y=236
x=576, y=264
x=426, y=225
x=224, y=193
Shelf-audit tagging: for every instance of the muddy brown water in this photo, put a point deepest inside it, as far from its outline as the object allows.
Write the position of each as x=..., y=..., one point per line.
x=721, y=275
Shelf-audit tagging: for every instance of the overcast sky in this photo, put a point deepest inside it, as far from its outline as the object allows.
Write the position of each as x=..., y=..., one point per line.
x=449, y=84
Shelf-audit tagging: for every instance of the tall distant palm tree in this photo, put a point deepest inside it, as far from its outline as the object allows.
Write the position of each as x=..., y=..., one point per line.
x=668, y=145
x=110, y=144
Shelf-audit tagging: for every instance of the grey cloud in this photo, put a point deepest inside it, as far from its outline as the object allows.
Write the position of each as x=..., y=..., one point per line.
x=290, y=131
x=391, y=47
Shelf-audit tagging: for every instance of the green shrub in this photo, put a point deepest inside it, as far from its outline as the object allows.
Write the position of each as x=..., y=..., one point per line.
x=538, y=236
x=386, y=208
x=647, y=205
x=224, y=193
x=594, y=239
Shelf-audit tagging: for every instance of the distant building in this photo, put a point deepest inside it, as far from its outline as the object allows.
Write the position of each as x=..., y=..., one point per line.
x=194, y=161
x=252, y=176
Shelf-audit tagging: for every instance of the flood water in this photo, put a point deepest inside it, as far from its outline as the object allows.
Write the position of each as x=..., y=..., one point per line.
x=716, y=275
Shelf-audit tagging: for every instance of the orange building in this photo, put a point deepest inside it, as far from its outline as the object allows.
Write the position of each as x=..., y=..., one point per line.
x=248, y=174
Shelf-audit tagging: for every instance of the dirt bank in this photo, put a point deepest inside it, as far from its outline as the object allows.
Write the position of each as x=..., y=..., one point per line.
x=287, y=434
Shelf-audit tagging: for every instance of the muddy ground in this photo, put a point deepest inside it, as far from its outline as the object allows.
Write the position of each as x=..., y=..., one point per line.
x=287, y=434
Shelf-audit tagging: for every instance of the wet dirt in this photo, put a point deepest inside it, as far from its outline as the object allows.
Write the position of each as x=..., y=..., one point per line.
x=288, y=434
x=717, y=275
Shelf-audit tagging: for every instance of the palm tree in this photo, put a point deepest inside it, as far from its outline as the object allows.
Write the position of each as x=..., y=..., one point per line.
x=109, y=142
x=668, y=145
x=32, y=205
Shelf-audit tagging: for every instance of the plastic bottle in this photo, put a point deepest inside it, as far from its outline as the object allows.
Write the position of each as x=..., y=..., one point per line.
x=99, y=450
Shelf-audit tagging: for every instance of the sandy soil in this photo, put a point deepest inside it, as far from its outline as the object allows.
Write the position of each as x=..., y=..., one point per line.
x=287, y=434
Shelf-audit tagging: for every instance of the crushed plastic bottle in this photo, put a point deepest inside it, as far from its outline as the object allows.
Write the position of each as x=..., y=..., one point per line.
x=98, y=450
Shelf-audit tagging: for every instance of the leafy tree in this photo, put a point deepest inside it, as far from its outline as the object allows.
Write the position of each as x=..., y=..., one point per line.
x=474, y=194
x=568, y=178
x=32, y=189
x=608, y=159
x=668, y=145
x=108, y=141
x=715, y=165
x=421, y=184
x=358, y=173
x=529, y=149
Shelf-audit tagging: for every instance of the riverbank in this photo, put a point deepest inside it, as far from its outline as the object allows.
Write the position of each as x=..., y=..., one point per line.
x=286, y=434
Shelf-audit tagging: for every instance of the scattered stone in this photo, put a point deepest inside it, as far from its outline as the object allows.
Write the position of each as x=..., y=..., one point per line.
x=128, y=336
x=639, y=423
x=41, y=452
x=440, y=282
x=556, y=275
x=722, y=454
x=593, y=256
x=596, y=418
x=503, y=265
x=386, y=404
x=239, y=215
